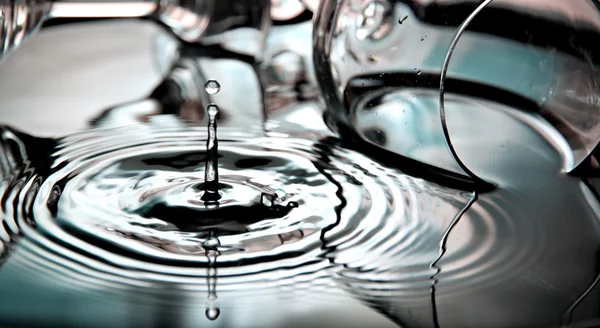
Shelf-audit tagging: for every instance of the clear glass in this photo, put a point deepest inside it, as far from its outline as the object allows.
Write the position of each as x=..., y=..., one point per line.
x=508, y=67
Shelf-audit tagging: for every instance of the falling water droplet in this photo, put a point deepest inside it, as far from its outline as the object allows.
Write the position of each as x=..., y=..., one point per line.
x=212, y=313
x=401, y=20
x=423, y=37
x=211, y=173
x=212, y=87
x=419, y=72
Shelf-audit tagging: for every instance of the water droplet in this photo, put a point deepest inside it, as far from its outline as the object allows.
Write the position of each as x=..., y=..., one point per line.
x=419, y=72
x=401, y=20
x=212, y=87
x=213, y=109
x=423, y=37
x=212, y=313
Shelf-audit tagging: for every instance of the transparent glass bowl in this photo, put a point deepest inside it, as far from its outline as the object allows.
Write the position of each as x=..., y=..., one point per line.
x=511, y=68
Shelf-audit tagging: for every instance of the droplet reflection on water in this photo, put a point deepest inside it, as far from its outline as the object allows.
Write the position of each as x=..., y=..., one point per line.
x=211, y=247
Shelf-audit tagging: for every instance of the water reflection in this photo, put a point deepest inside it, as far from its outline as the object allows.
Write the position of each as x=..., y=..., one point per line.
x=513, y=250
x=103, y=224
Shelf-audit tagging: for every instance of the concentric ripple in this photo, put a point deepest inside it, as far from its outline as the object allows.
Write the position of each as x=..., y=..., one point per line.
x=148, y=202
x=128, y=200
x=111, y=210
